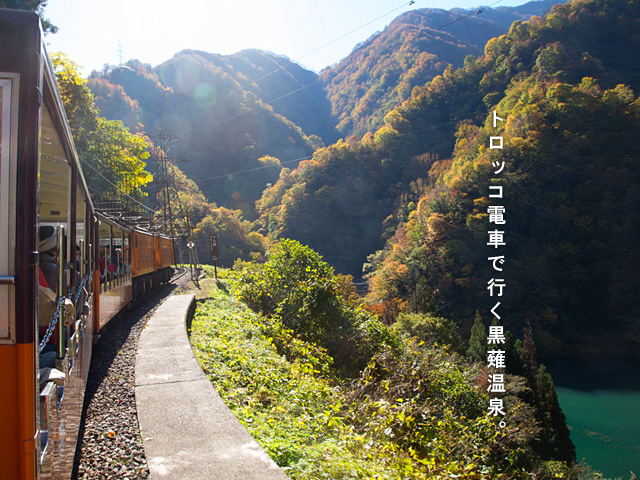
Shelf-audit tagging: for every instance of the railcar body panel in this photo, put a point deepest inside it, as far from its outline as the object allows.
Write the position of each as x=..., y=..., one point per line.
x=143, y=254
x=97, y=263
x=114, y=267
x=164, y=252
x=151, y=259
x=18, y=198
x=41, y=185
x=12, y=353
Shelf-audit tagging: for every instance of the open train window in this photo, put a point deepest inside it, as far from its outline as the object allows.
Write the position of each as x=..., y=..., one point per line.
x=126, y=253
x=56, y=209
x=55, y=191
x=104, y=259
x=8, y=146
x=117, y=253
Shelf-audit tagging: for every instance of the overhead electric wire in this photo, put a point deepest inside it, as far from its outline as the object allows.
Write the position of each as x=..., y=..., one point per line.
x=113, y=184
x=336, y=39
x=477, y=12
x=231, y=174
x=281, y=67
x=620, y=78
x=399, y=134
x=308, y=157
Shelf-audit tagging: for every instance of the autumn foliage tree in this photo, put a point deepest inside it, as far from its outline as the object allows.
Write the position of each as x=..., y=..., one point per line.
x=113, y=156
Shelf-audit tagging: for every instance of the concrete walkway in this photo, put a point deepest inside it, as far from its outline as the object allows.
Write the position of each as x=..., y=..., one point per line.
x=187, y=430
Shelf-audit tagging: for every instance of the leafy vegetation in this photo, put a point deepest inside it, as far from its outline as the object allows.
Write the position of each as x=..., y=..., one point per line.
x=381, y=73
x=334, y=388
x=230, y=111
x=233, y=110
x=415, y=409
x=235, y=240
x=114, y=156
x=300, y=293
x=420, y=183
x=565, y=182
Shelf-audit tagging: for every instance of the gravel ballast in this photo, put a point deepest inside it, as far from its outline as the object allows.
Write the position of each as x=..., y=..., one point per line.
x=109, y=443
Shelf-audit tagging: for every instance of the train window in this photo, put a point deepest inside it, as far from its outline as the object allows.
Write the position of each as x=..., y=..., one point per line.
x=104, y=259
x=55, y=194
x=82, y=234
x=117, y=259
x=126, y=254
x=8, y=146
x=55, y=175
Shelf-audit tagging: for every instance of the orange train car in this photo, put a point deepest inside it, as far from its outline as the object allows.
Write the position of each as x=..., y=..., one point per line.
x=114, y=280
x=47, y=227
x=65, y=269
x=151, y=261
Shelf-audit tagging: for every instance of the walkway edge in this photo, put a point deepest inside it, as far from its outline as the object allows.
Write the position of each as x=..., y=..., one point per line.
x=187, y=430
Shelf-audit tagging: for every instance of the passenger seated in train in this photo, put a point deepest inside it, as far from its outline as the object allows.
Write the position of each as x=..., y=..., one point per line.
x=47, y=297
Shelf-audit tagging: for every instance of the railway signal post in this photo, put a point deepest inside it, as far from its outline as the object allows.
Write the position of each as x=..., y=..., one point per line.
x=213, y=247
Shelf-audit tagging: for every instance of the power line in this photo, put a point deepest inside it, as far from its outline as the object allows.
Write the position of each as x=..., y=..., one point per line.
x=113, y=184
x=337, y=39
x=308, y=157
x=433, y=127
x=477, y=12
x=291, y=62
x=281, y=67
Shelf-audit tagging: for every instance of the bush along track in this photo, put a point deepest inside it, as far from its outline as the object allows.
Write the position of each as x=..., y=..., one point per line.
x=417, y=409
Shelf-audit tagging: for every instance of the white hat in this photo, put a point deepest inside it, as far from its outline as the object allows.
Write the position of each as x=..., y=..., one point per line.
x=48, y=238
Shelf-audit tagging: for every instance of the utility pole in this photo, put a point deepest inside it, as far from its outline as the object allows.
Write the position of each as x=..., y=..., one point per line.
x=120, y=53
x=171, y=217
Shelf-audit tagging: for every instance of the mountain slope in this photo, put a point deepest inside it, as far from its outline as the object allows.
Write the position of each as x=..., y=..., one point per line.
x=572, y=158
x=231, y=110
x=381, y=72
x=218, y=105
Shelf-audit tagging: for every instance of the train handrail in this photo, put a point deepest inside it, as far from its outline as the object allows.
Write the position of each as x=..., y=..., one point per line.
x=87, y=280
x=52, y=325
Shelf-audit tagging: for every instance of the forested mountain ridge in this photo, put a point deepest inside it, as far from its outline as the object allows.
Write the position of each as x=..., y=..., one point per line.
x=381, y=72
x=573, y=173
x=219, y=106
x=231, y=110
x=271, y=78
x=416, y=182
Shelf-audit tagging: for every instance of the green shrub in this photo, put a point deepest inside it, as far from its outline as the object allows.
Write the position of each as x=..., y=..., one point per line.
x=415, y=411
x=429, y=329
x=303, y=299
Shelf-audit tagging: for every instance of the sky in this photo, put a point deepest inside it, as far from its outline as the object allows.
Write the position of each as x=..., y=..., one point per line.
x=314, y=33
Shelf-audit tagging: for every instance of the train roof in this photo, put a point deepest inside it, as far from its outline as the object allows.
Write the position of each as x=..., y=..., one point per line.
x=58, y=147
x=38, y=77
x=113, y=221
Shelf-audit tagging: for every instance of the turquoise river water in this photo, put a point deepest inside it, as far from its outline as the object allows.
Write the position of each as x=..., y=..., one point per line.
x=601, y=400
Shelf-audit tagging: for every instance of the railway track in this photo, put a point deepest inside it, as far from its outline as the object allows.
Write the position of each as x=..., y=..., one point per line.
x=178, y=275
x=109, y=443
